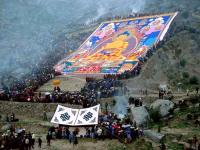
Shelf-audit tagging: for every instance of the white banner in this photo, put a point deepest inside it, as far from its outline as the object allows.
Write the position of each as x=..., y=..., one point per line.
x=88, y=116
x=167, y=27
x=76, y=117
x=64, y=115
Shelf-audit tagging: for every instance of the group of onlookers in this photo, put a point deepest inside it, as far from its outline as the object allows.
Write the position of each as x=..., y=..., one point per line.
x=18, y=139
x=93, y=90
x=136, y=101
x=109, y=127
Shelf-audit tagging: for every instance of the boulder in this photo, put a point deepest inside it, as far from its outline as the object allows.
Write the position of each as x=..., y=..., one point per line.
x=154, y=136
x=163, y=106
x=140, y=115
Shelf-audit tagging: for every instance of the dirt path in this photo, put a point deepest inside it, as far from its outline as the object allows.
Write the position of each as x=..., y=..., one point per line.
x=84, y=144
x=184, y=131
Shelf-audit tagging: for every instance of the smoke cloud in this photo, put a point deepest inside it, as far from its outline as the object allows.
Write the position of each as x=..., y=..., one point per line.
x=121, y=106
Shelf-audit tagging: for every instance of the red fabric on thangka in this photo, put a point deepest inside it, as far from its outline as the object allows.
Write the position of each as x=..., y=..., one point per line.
x=89, y=69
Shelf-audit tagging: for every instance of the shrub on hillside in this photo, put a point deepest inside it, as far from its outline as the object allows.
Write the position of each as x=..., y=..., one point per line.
x=114, y=102
x=194, y=80
x=183, y=62
x=185, y=75
x=155, y=115
x=185, y=14
x=178, y=52
x=194, y=99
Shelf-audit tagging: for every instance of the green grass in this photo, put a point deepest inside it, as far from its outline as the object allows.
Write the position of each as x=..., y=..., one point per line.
x=180, y=119
x=173, y=146
x=154, y=125
x=181, y=124
x=184, y=111
x=83, y=140
x=116, y=147
x=139, y=144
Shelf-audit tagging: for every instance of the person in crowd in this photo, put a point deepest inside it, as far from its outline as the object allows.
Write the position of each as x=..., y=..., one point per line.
x=27, y=142
x=44, y=115
x=197, y=90
x=140, y=101
x=48, y=138
x=195, y=141
x=12, y=117
x=137, y=102
x=39, y=142
x=75, y=139
x=187, y=91
x=33, y=140
x=99, y=133
x=70, y=137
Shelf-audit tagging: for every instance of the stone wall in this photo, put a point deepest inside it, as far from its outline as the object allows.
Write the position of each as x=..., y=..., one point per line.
x=28, y=109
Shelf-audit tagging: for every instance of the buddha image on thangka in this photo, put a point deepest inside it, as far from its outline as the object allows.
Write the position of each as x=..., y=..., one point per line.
x=115, y=43
x=113, y=50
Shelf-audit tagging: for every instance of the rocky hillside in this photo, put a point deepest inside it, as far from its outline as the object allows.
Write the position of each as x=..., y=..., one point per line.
x=177, y=59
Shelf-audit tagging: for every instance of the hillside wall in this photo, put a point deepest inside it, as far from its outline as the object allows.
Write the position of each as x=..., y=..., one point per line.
x=28, y=109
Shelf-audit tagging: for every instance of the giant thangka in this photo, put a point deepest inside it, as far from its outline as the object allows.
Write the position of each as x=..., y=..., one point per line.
x=117, y=46
x=76, y=117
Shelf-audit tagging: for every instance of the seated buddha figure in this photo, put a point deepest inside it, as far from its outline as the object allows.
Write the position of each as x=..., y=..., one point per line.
x=111, y=51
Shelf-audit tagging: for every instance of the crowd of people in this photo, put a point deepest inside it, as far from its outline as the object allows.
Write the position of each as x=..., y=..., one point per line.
x=130, y=15
x=123, y=129
x=109, y=127
x=89, y=95
x=135, y=101
x=17, y=138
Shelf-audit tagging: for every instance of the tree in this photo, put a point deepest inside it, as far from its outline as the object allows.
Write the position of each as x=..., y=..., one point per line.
x=155, y=115
x=183, y=62
x=178, y=52
x=194, y=80
x=185, y=75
